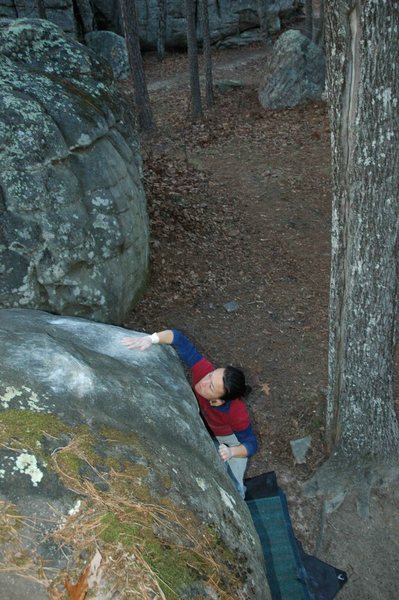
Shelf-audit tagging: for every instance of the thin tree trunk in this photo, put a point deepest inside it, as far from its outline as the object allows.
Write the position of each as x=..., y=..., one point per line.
x=207, y=54
x=162, y=16
x=263, y=22
x=141, y=97
x=41, y=9
x=318, y=32
x=309, y=18
x=192, y=49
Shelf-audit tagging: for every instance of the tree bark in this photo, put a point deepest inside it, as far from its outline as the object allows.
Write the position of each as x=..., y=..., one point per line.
x=309, y=18
x=263, y=22
x=207, y=54
x=141, y=97
x=363, y=88
x=192, y=49
x=162, y=16
x=41, y=9
x=318, y=32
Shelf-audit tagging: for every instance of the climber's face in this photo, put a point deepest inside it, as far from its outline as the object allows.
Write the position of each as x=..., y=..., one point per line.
x=211, y=387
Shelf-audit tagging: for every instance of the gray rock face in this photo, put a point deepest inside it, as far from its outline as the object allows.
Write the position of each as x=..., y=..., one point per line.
x=227, y=17
x=295, y=74
x=112, y=47
x=74, y=235
x=102, y=449
x=75, y=22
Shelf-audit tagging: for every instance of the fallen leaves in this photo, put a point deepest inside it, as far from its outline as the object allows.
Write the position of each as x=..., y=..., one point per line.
x=90, y=577
x=265, y=387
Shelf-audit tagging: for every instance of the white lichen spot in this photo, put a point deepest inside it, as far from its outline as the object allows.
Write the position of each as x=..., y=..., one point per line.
x=84, y=140
x=33, y=401
x=100, y=222
x=10, y=394
x=201, y=483
x=98, y=201
x=27, y=464
x=2, y=473
x=75, y=509
x=227, y=499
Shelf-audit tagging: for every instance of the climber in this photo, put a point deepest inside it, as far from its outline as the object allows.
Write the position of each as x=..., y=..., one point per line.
x=219, y=393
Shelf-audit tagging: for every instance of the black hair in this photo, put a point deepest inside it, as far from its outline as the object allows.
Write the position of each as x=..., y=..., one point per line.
x=234, y=384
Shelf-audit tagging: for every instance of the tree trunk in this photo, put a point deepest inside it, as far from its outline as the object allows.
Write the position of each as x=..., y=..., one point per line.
x=363, y=88
x=263, y=22
x=309, y=18
x=162, y=16
x=318, y=32
x=141, y=97
x=207, y=53
x=41, y=9
x=192, y=49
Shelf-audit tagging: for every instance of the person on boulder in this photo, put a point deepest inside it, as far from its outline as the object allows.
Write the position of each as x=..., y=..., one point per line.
x=219, y=394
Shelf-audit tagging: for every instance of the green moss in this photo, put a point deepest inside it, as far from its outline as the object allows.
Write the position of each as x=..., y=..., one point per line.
x=114, y=435
x=28, y=428
x=9, y=522
x=115, y=531
x=69, y=464
x=171, y=567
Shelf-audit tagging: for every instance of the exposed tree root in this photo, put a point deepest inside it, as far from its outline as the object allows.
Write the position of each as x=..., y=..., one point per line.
x=340, y=476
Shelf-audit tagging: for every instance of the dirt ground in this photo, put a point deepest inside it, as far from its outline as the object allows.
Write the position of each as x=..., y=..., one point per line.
x=240, y=208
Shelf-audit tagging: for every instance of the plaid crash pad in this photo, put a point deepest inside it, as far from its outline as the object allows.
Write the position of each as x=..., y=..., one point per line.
x=292, y=574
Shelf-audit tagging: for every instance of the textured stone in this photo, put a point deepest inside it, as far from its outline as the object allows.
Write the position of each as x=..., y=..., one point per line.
x=113, y=48
x=228, y=18
x=74, y=235
x=79, y=372
x=295, y=74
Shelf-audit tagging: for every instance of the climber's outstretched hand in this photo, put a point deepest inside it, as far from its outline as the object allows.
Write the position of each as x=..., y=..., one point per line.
x=137, y=343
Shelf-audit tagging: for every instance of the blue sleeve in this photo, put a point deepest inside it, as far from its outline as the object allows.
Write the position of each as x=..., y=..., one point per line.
x=248, y=439
x=185, y=349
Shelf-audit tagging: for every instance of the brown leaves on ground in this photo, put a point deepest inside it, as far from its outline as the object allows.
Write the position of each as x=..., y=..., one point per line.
x=78, y=591
x=89, y=578
x=265, y=387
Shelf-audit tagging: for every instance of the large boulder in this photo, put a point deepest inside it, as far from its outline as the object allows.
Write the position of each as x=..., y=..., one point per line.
x=113, y=48
x=105, y=463
x=74, y=235
x=295, y=74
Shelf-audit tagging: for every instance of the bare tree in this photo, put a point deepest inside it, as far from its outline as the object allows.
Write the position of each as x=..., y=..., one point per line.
x=309, y=18
x=41, y=9
x=207, y=53
x=318, y=32
x=161, y=40
x=362, y=428
x=263, y=21
x=141, y=97
x=192, y=49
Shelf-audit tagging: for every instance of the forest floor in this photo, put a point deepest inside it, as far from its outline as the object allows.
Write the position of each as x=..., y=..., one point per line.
x=240, y=208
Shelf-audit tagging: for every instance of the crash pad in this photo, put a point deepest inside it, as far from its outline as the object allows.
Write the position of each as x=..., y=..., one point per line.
x=292, y=574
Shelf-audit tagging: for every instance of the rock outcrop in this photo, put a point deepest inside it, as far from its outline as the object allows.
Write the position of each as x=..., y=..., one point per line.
x=74, y=236
x=104, y=461
x=228, y=18
x=295, y=74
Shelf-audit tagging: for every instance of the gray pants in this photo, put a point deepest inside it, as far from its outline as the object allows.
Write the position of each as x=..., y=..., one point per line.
x=235, y=466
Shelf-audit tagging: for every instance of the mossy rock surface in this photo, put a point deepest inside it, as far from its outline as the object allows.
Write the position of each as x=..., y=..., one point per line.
x=74, y=238
x=102, y=449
